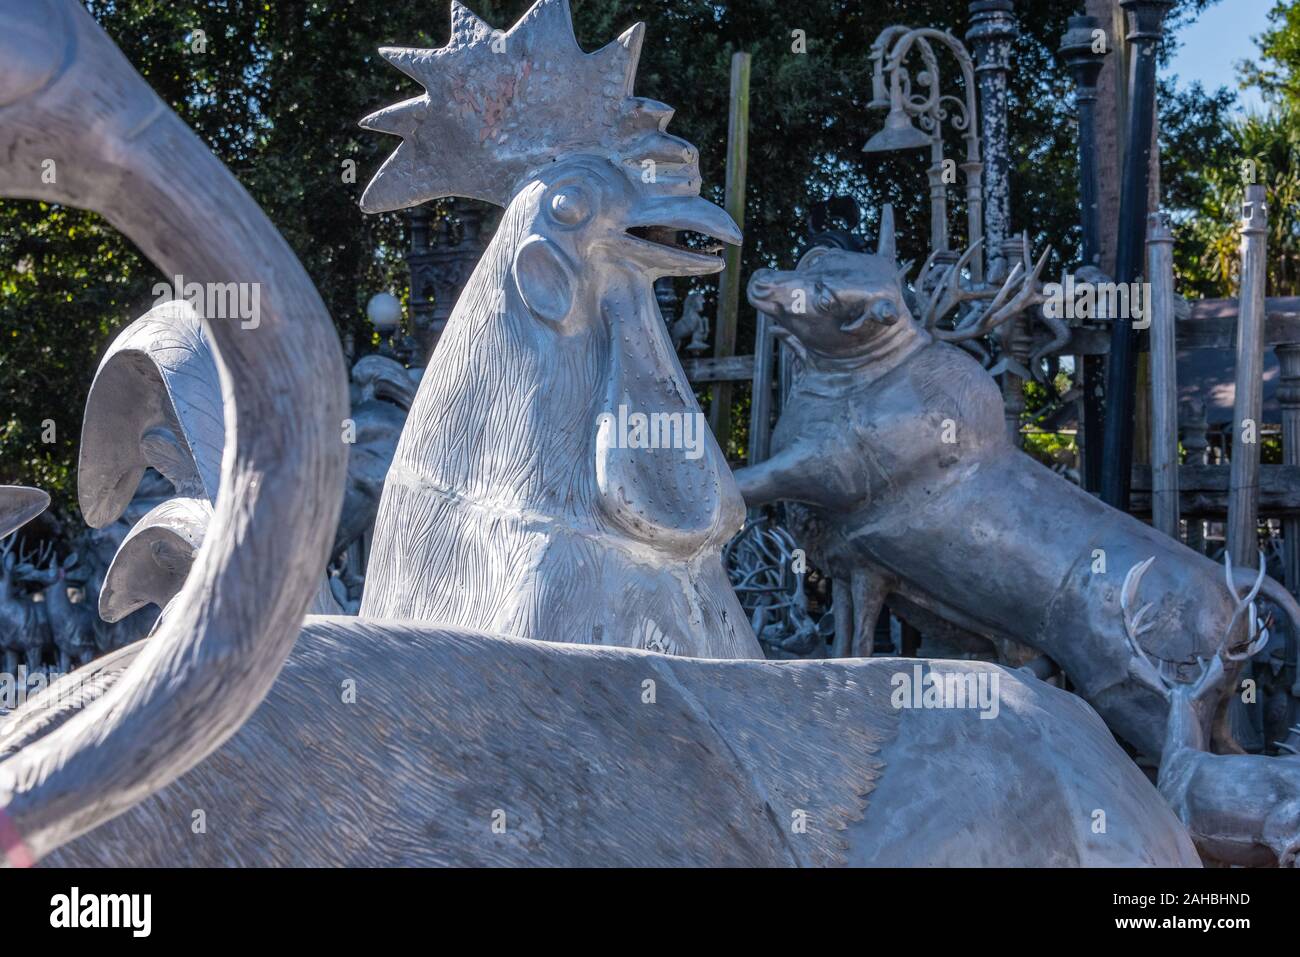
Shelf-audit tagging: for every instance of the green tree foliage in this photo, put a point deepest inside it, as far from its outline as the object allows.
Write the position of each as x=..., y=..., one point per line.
x=1211, y=238
x=276, y=87
x=1278, y=73
x=1261, y=147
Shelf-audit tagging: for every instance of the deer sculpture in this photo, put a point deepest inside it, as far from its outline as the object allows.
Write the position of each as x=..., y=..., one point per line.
x=1241, y=809
x=73, y=626
x=21, y=630
x=590, y=754
x=18, y=506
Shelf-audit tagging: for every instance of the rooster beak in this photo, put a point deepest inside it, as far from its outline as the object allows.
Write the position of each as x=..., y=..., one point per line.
x=674, y=213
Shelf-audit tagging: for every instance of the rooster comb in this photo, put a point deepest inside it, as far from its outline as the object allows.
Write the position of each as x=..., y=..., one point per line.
x=498, y=105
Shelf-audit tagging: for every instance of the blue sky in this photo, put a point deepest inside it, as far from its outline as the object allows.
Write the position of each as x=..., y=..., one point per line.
x=1221, y=37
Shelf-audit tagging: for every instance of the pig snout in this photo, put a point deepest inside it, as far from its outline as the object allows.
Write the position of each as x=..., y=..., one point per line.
x=762, y=287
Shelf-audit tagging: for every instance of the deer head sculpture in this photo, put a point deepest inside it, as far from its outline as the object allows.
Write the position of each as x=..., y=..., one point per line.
x=1240, y=809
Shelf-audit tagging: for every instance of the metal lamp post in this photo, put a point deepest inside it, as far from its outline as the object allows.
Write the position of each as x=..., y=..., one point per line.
x=931, y=109
x=1080, y=52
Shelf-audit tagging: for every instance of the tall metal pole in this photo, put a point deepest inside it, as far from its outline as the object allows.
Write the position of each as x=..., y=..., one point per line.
x=1086, y=58
x=993, y=28
x=1145, y=19
x=1164, y=376
x=1243, y=480
x=724, y=340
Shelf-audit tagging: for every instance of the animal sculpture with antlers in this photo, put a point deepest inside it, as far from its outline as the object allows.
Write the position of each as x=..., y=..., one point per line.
x=580, y=754
x=74, y=626
x=22, y=633
x=957, y=312
x=894, y=452
x=1241, y=809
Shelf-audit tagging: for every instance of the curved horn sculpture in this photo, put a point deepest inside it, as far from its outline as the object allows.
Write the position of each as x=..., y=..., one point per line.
x=155, y=401
x=124, y=154
x=155, y=558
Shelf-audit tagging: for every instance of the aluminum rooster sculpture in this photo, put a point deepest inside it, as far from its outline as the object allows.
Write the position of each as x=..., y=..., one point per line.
x=507, y=509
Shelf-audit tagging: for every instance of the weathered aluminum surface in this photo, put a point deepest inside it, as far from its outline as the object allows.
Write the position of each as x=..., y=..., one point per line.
x=895, y=444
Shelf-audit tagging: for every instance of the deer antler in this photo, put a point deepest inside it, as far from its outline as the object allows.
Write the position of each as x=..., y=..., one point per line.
x=1142, y=667
x=1151, y=674
x=948, y=293
x=1257, y=636
x=1020, y=291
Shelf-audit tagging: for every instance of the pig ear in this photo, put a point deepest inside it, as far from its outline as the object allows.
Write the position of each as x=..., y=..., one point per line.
x=811, y=257
x=544, y=279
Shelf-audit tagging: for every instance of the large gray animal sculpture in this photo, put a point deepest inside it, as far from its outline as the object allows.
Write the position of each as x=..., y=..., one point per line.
x=384, y=742
x=515, y=505
x=894, y=444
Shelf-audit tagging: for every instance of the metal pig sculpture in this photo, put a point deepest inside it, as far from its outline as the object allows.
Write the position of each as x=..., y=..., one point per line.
x=590, y=755
x=895, y=445
x=555, y=478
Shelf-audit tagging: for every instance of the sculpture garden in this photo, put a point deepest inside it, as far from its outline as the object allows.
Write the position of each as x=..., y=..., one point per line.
x=502, y=561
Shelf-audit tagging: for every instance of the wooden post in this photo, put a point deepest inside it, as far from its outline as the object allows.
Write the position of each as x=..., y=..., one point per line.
x=1164, y=376
x=1288, y=397
x=1243, y=483
x=724, y=337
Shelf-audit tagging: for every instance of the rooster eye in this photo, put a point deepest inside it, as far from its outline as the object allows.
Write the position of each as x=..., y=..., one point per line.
x=570, y=206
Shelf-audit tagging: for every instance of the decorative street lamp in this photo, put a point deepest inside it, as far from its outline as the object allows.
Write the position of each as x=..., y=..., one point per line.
x=384, y=311
x=931, y=108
